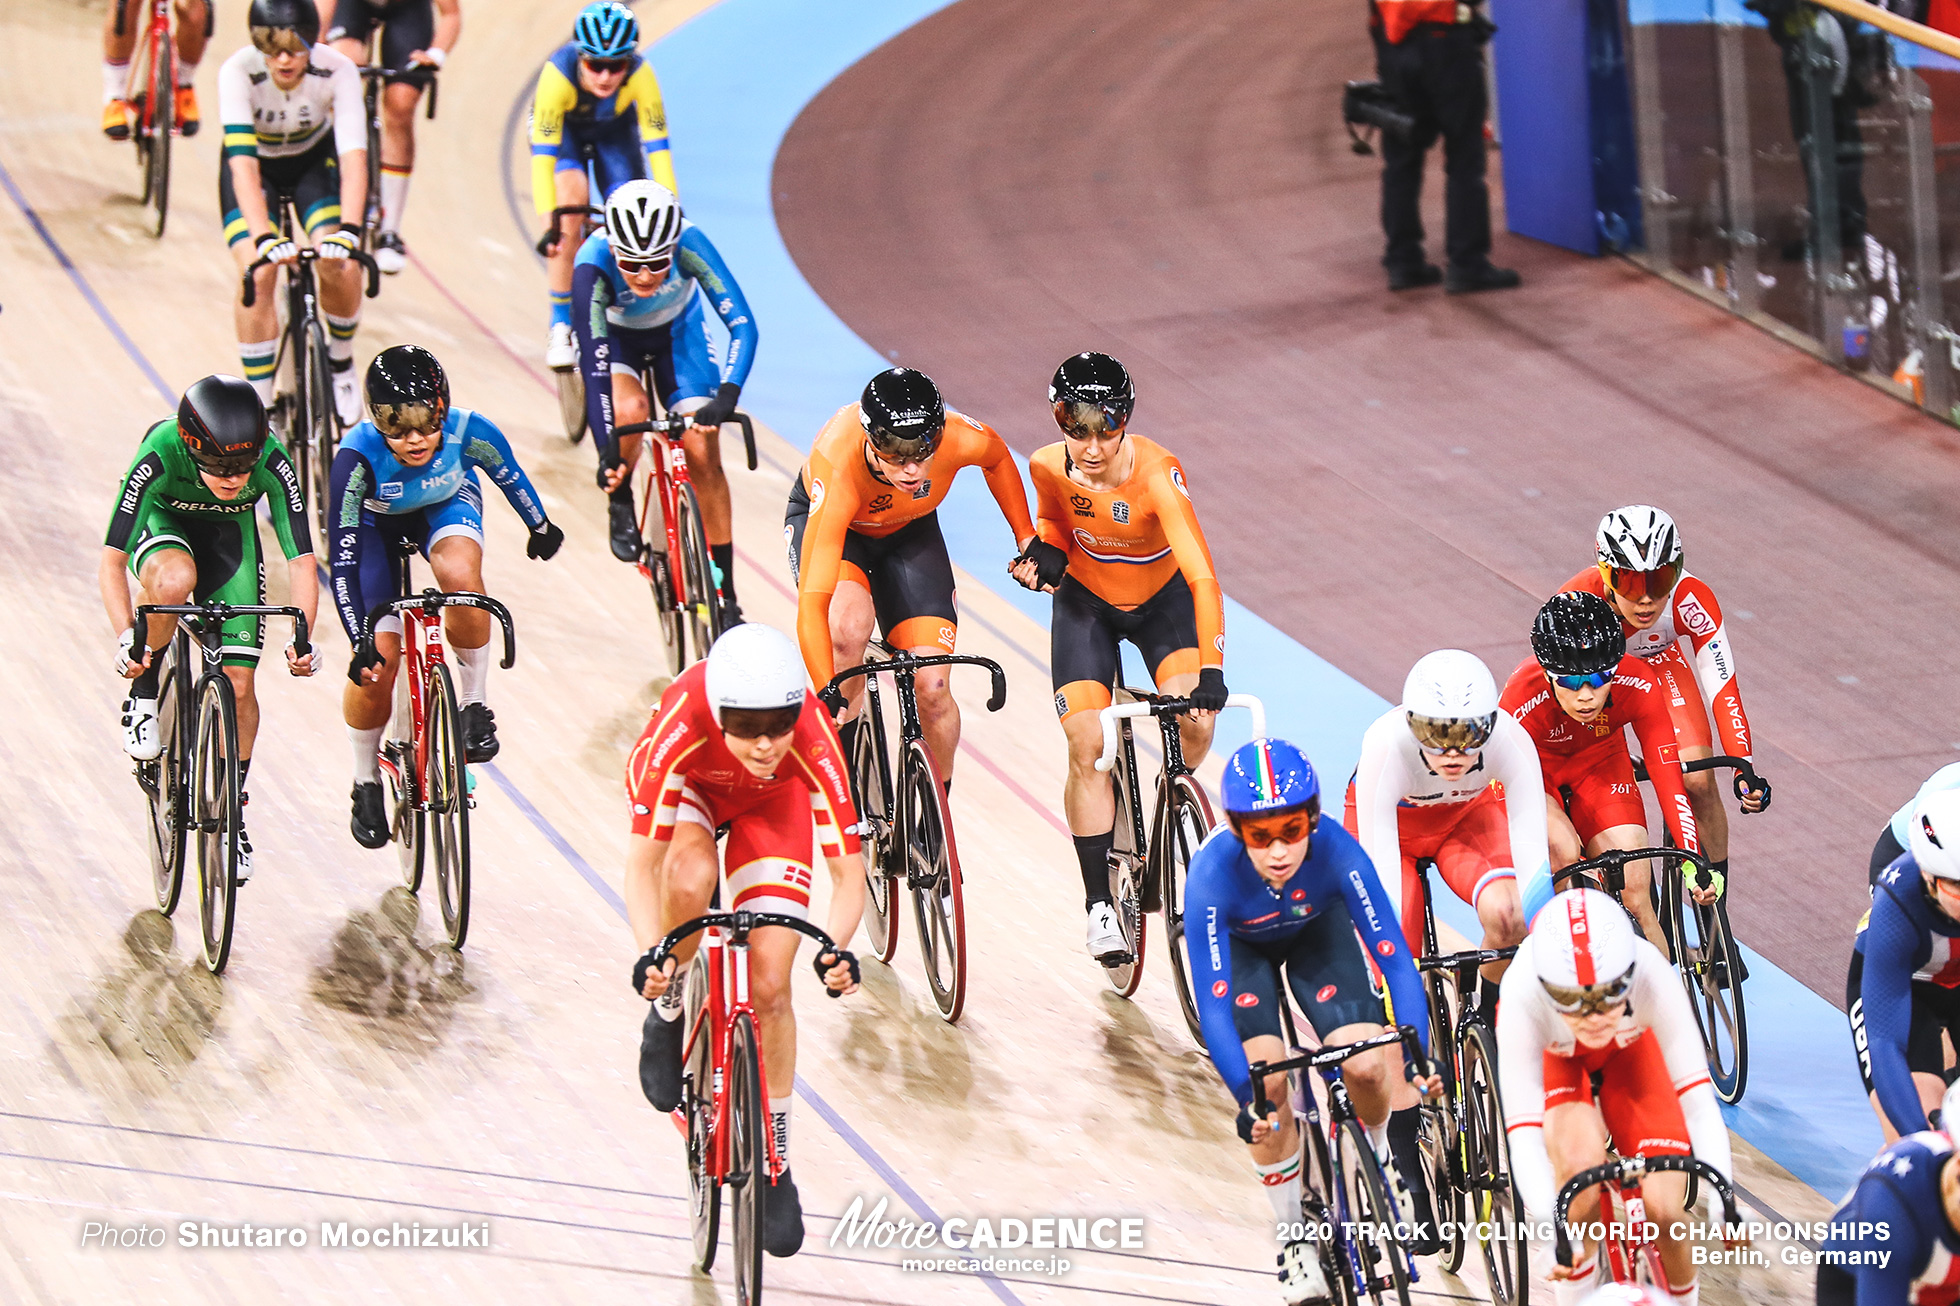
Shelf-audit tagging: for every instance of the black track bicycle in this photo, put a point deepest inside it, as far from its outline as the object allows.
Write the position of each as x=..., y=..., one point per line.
x=373, y=78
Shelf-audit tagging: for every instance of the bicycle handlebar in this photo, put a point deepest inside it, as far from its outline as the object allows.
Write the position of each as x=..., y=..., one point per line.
x=1156, y=705
x=740, y=923
x=676, y=423
x=218, y=612
x=1334, y=1056
x=307, y=254
x=1745, y=774
x=1614, y=859
x=432, y=601
x=1474, y=957
x=1631, y=1169
x=910, y=664
x=549, y=241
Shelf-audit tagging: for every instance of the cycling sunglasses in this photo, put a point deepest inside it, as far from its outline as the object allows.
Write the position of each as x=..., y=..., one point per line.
x=760, y=723
x=1593, y=680
x=1632, y=584
x=658, y=263
x=1451, y=734
x=278, y=40
x=606, y=67
x=1589, y=1001
x=1087, y=421
x=399, y=421
x=1265, y=833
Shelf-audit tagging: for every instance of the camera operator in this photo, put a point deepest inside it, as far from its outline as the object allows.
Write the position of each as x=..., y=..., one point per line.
x=1429, y=55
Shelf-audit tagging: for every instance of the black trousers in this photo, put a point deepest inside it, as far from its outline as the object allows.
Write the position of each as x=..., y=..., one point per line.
x=1438, y=75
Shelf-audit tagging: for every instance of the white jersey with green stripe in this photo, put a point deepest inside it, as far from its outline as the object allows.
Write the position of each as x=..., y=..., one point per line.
x=262, y=120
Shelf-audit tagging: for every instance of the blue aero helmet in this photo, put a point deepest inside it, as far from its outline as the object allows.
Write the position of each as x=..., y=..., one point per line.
x=606, y=30
x=1267, y=775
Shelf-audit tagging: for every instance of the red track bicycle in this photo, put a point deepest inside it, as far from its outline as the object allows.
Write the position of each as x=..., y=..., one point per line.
x=423, y=762
x=1631, y=1255
x=680, y=570
x=724, y=1115
x=152, y=93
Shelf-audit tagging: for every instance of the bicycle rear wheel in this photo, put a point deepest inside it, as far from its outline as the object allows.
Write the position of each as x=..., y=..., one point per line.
x=1126, y=895
x=571, y=401
x=1383, y=1263
x=1711, y=967
x=1190, y=820
x=871, y=787
x=748, y=1161
x=215, y=810
x=164, y=782
x=702, y=605
x=405, y=819
x=163, y=100
x=1441, y=1148
x=1493, y=1199
x=449, y=804
x=932, y=871
x=698, y=1105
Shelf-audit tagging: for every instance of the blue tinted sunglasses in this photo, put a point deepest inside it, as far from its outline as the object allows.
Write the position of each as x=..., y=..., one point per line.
x=1592, y=681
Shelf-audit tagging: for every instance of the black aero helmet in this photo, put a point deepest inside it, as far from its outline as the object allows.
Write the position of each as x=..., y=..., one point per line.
x=1577, y=634
x=406, y=391
x=270, y=16
x=222, y=423
x=902, y=414
x=1091, y=393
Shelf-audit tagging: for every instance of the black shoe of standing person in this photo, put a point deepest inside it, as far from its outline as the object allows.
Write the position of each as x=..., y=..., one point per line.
x=1414, y=278
x=623, y=528
x=1484, y=276
x=782, y=1217
x=370, y=823
x=479, y=732
x=660, y=1060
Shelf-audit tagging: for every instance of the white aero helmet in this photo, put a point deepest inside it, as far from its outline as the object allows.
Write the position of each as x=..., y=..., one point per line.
x=1451, y=701
x=755, y=666
x=1639, y=552
x=1934, y=835
x=1582, y=945
x=643, y=220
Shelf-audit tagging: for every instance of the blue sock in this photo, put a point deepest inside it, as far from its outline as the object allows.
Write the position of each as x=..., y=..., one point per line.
x=561, y=308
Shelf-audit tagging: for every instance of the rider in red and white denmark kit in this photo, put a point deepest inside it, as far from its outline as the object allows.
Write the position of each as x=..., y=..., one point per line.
x=1433, y=782
x=1587, y=995
x=1575, y=697
x=1643, y=574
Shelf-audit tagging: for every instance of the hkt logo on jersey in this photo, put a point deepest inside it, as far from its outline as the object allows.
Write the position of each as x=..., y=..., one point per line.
x=1219, y=988
x=1326, y=994
x=1694, y=616
x=1247, y=999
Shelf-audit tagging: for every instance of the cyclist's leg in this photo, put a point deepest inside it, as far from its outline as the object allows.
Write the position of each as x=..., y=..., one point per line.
x=455, y=553
x=366, y=708
x=1575, y=1140
x=1474, y=858
x=768, y=863
x=165, y=572
x=121, y=20
x=258, y=326
x=408, y=27
x=1638, y=1101
x=626, y=352
x=697, y=375
x=346, y=24
x=316, y=195
x=1164, y=628
x=1420, y=835
x=568, y=187
x=1255, y=1014
x=231, y=570
x=912, y=587
x=1082, y=652
x=1608, y=813
x=1692, y=734
x=193, y=32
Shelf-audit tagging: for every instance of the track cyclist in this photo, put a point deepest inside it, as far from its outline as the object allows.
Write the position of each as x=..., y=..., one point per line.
x=416, y=38
x=1434, y=782
x=1271, y=889
x=1641, y=571
x=183, y=527
x=406, y=478
x=1902, y=992
x=637, y=292
x=862, y=526
x=1896, y=1238
x=1574, y=697
x=292, y=116
x=595, y=94
x=1586, y=995
x=738, y=740
x=1122, y=551
x=120, y=31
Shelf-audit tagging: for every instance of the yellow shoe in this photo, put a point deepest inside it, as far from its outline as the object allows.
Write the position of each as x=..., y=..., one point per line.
x=115, y=120
x=186, y=111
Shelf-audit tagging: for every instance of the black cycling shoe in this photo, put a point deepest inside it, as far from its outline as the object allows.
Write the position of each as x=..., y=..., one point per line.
x=370, y=823
x=660, y=1062
x=479, y=732
x=1487, y=276
x=1414, y=278
x=782, y=1217
x=731, y=613
x=624, y=529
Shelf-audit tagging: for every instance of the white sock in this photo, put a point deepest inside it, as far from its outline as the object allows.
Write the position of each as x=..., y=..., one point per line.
x=394, y=196
x=186, y=72
x=779, y=1121
x=1688, y=1296
x=115, y=79
x=668, y=1005
x=1572, y=1291
x=260, y=359
x=1378, y=1139
x=340, y=337
x=473, y=672
x=367, y=754
x=1282, y=1183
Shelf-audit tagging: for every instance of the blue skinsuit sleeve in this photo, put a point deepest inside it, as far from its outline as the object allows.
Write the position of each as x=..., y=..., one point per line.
x=484, y=446
x=1891, y=1283
x=352, y=476
x=591, y=296
x=1375, y=921
x=1893, y=951
x=700, y=260
x=1207, y=937
x=1536, y=891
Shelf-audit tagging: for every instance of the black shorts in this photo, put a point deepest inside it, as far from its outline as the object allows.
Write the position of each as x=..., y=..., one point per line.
x=1325, y=968
x=1884, y=853
x=1084, y=632
x=908, y=572
x=406, y=26
x=311, y=180
x=1935, y=1010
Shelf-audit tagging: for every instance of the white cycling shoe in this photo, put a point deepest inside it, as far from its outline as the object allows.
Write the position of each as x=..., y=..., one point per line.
x=244, y=855
x=560, y=351
x=347, y=398
x=142, y=739
x=389, y=254
x=1105, y=933
x=1302, y=1281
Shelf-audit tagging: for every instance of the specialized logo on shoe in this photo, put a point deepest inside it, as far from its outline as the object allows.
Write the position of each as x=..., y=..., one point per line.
x=1219, y=988
x=1326, y=993
x=1247, y=999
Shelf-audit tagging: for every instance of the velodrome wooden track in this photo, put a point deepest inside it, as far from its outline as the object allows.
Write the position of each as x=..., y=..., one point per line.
x=344, y=1069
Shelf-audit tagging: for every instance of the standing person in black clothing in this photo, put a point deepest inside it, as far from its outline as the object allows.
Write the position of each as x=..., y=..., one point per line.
x=1429, y=55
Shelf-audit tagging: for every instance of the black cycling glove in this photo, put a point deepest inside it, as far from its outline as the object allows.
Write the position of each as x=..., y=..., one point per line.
x=1210, y=694
x=1742, y=790
x=824, y=968
x=544, y=541
x=365, y=656
x=719, y=409
x=1246, y=1120
x=1050, y=563
x=641, y=969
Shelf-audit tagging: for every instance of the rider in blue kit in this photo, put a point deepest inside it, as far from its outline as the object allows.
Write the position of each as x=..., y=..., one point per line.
x=1896, y=1238
x=638, y=290
x=407, y=476
x=1903, y=989
x=1272, y=889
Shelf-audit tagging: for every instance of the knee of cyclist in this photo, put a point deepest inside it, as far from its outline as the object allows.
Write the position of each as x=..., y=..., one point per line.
x=770, y=993
x=242, y=680
x=1505, y=920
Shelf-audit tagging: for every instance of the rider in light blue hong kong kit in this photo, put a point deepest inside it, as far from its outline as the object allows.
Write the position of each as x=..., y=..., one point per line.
x=1276, y=889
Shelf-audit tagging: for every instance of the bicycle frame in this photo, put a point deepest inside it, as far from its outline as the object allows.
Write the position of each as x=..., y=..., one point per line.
x=1623, y=1210
x=1119, y=745
x=667, y=472
x=372, y=79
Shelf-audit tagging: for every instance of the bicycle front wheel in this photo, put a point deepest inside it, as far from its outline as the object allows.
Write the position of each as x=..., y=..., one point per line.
x=748, y=1159
x=1126, y=895
x=1381, y=1259
x=1711, y=970
x=1495, y=1209
x=164, y=782
x=932, y=872
x=871, y=787
x=316, y=389
x=701, y=603
x=571, y=401
x=404, y=782
x=163, y=102
x=1442, y=1150
x=449, y=804
x=698, y=1103
x=1190, y=821
x=215, y=810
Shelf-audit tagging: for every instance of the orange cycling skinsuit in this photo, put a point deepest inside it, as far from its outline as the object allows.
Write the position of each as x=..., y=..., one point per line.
x=681, y=771
x=1138, y=569
x=846, y=522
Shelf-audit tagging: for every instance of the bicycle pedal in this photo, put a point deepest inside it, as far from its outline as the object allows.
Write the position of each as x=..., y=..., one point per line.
x=1113, y=960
